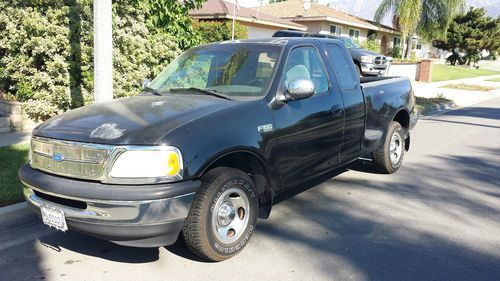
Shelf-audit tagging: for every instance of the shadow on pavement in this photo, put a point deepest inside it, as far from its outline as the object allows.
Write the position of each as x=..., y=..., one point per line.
x=427, y=235
x=90, y=246
x=180, y=249
x=480, y=112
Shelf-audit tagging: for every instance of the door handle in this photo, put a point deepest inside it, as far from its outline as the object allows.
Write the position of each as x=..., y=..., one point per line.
x=337, y=110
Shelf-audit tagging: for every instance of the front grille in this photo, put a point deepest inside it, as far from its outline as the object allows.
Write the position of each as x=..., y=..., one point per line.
x=72, y=159
x=380, y=60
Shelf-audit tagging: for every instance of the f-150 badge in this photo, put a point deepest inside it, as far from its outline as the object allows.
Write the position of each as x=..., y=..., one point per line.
x=265, y=128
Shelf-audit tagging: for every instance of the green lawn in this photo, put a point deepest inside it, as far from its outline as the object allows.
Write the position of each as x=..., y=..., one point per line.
x=11, y=159
x=442, y=72
x=468, y=87
x=494, y=80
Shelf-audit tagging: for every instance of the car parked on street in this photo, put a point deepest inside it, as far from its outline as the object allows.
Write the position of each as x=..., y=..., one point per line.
x=366, y=62
x=208, y=145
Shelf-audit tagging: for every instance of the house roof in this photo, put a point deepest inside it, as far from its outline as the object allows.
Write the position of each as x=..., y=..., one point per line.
x=219, y=9
x=294, y=10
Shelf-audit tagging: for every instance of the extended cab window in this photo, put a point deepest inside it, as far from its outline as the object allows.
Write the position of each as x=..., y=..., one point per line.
x=342, y=64
x=305, y=63
x=235, y=70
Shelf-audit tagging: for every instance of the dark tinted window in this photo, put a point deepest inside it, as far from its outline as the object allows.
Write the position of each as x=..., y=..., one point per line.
x=284, y=33
x=342, y=63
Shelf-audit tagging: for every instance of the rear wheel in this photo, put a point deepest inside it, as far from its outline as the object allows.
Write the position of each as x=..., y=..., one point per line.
x=223, y=215
x=389, y=157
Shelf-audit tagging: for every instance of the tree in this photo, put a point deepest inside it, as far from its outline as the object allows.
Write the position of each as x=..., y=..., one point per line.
x=471, y=33
x=213, y=31
x=173, y=16
x=428, y=18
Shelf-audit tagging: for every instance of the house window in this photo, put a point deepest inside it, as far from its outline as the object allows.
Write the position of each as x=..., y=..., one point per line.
x=396, y=41
x=419, y=46
x=354, y=33
x=334, y=29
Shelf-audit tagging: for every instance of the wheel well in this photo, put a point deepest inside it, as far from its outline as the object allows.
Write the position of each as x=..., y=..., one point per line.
x=253, y=166
x=403, y=118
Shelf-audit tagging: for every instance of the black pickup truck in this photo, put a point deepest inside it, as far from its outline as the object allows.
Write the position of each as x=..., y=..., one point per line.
x=209, y=144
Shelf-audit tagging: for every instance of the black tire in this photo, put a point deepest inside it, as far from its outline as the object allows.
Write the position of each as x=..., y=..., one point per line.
x=358, y=70
x=199, y=229
x=382, y=157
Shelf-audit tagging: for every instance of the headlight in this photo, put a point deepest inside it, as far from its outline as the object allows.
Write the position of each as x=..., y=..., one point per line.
x=151, y=162
x=367, y=59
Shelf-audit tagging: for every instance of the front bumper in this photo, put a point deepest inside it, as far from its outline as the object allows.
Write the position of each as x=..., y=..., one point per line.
x=372, y=69
x=135, y=215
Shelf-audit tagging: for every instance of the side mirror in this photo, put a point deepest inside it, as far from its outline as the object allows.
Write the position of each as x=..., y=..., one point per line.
x=146, y=83
x=298, y=89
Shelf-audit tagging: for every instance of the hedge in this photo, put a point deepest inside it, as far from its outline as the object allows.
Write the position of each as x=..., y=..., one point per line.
x=46, y=52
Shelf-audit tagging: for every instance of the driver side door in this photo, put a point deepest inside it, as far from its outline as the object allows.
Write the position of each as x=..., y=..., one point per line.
x=309, y=131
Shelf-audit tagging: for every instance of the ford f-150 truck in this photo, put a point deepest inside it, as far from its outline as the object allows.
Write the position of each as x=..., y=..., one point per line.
x=207, y=146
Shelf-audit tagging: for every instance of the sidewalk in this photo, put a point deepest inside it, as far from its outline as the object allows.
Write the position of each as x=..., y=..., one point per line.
x=460, y=97
x=7, y=139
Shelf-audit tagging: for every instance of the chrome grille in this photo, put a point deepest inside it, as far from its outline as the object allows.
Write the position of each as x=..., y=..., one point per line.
x=72, y=159
x=380, y=60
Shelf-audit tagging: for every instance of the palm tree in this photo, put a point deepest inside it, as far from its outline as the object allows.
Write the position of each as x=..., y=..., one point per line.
x=428, y=18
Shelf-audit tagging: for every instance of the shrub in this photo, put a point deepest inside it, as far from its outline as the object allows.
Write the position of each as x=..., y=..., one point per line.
x=396, y=52
x=46, y=51
x=214, y=31
x=371, y=45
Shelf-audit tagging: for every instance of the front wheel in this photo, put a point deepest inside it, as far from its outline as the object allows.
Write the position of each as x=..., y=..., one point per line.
x=389, y=158
x=223, y=215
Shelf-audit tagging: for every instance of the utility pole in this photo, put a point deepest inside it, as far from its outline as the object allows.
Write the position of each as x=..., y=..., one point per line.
x=103, y=51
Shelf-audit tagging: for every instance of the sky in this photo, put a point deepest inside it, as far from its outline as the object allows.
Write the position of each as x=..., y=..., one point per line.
x=366, y=8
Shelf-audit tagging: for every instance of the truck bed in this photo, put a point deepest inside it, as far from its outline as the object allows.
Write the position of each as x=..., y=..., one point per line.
x=383, y=96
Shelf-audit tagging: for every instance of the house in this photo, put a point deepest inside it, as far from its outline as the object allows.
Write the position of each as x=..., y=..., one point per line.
x=325, y=20
x=258, y=23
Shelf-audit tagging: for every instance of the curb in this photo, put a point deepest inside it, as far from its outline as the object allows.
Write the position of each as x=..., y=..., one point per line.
x=12, y=208
x=445, y=109
x=437, y=109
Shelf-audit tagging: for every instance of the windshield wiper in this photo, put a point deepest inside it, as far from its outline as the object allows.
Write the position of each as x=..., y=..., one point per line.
x=151, y=90
x=203, y=91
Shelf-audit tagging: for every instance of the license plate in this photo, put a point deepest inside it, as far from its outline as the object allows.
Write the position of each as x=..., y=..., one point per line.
x=54, y=217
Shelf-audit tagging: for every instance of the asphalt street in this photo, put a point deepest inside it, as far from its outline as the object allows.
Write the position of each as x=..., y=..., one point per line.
x=438, y=218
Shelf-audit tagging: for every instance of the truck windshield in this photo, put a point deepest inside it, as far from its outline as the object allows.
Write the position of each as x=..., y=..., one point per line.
x=349, y=43
x=234, y=70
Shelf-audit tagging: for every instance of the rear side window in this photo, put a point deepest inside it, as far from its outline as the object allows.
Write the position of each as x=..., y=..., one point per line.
x=305, y=63
x=341, y=62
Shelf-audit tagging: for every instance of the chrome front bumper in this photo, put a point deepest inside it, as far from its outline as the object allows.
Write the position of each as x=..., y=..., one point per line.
x=151, y=222
x=116, y=212
x=372, y=69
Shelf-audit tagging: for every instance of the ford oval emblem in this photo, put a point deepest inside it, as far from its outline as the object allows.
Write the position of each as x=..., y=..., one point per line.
x=57, y=157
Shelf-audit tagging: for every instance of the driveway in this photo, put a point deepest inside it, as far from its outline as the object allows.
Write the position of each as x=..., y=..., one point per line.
x=438, y=218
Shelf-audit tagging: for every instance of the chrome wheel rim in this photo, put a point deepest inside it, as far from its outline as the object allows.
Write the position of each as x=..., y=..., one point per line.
x=230, y=216
x=396, y=148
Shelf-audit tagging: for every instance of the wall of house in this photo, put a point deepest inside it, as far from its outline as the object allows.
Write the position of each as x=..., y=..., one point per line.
x=324, y=27
x=255, y=32
x=363, y=32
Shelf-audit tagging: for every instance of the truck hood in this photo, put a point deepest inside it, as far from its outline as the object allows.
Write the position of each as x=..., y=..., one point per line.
x=137, y=120
x=362, y=52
